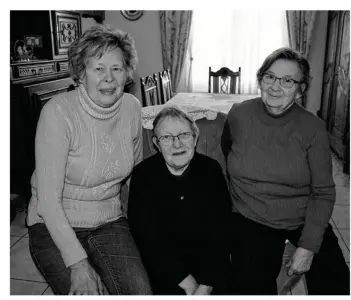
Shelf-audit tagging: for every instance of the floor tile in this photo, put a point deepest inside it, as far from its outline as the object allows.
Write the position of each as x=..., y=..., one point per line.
x=345, y=233
x=341, y=179
x=342, y=195
x=14, y=240
x=48, y=291
x=18, y=225
x=21, y=287
x=343, y=247
x=341, y=216
x=22, y=266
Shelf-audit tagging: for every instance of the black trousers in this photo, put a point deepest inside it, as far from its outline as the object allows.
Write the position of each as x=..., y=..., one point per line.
x=257, y=252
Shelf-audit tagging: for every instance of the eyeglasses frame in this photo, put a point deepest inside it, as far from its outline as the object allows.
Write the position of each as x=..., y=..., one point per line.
x=280, y=78
x=174, y=137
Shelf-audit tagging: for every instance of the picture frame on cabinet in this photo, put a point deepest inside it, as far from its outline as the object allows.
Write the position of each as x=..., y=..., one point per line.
x=66, y=29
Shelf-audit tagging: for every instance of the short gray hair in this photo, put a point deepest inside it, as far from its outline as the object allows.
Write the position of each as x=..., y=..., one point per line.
x=174, y=113
x=95, y=42
x=291, y=55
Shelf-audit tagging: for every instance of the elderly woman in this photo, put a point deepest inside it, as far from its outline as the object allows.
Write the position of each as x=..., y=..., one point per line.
x=281, y=184
x=88, y=140
x=178, y=211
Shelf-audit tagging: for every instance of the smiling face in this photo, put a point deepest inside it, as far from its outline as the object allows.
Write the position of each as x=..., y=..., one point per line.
x=276, y=98
x=178, y=154
x=105, y=77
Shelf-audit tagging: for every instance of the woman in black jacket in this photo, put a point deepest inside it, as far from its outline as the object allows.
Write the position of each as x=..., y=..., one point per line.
x=178, y=212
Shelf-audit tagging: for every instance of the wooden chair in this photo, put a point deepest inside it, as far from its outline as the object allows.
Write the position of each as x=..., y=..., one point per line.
x=165, y=85
x=149, y=90
x=224, y=81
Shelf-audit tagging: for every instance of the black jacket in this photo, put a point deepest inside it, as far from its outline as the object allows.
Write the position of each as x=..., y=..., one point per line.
x=180, y=223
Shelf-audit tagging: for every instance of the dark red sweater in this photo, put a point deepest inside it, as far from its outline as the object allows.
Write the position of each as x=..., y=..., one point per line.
x=280, y=169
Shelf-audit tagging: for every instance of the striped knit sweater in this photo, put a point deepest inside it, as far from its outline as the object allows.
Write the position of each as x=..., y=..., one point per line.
x=83, y=152
x=280, y=169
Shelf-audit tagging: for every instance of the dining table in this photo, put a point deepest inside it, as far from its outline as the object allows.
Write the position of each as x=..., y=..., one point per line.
x=197, y=105
x=216, y=102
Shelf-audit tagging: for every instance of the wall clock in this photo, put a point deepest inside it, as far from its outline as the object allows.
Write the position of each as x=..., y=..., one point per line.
x=132, y=15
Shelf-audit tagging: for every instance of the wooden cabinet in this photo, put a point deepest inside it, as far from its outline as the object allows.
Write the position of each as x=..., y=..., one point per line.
x=335, y=107
x=33, y=82
x=55, y=30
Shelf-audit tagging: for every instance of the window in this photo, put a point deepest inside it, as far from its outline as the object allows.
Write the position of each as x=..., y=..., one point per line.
x=234, y=39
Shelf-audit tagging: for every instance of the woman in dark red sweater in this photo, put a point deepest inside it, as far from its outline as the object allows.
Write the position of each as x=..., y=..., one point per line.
x=281, y=184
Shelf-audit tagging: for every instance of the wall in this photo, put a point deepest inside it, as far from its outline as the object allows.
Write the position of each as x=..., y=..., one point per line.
x=87, y=23
x=314, y=95
x=146, y=33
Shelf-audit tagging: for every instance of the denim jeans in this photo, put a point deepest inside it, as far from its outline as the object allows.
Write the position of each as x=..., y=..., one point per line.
x=111, y=252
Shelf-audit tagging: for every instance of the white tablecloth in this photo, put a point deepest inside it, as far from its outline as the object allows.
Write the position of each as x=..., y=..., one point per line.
x=217, y=102
x=197, y=105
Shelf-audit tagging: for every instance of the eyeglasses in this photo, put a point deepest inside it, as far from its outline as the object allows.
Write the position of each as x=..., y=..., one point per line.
x=285, y=81
x=168, y=139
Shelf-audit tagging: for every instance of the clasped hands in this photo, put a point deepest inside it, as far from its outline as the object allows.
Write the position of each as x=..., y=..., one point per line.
x=191, y=287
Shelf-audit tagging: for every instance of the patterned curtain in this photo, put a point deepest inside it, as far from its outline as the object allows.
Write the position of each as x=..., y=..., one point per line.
x=175, y=29
x=300, y=28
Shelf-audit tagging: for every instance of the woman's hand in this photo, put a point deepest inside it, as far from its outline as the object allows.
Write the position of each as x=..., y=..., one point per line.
x=84, y=279
x=300, y=262
x=203, y=290
x=189, y=285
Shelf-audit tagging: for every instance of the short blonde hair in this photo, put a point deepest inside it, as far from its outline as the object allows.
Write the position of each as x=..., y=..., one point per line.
x=95, y=42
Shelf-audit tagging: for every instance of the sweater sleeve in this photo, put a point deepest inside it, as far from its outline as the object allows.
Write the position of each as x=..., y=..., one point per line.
x=51, y=151
x=160, y=259
x=215, y=254
x=321, y=202
x=138, y=138
x=227, y=138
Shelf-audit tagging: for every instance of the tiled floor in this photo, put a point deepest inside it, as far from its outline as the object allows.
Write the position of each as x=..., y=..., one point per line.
x=26, y=280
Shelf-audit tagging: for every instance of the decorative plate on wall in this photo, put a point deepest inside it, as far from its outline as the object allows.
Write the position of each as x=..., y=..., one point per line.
x=132, y=15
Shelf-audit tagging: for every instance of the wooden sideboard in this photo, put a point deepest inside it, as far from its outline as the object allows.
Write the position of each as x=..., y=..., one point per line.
x=34, y=79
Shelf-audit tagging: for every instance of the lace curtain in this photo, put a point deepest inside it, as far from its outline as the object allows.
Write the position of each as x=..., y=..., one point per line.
x=234, y=39
x=175, y=29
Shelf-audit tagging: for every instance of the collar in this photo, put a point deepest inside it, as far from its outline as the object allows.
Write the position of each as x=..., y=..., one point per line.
x=95, y=110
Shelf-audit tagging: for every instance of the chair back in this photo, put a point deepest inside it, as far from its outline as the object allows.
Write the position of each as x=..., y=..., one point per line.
x=149, y=90
x=224, y=81
x=165, y=85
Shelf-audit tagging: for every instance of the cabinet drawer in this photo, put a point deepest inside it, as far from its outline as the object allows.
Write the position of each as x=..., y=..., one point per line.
x=62, y=66
x=34, y=70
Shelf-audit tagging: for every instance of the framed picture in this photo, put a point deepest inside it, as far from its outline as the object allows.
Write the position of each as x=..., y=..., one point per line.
x=132, y=15
x=34, y=41
x=67, y=29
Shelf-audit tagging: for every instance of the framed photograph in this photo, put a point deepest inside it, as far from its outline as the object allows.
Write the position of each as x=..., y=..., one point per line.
x=34, y=41
x=66, y=28
x=132, y=15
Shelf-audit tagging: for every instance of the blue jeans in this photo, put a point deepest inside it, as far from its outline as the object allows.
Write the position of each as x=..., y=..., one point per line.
x=111, y=251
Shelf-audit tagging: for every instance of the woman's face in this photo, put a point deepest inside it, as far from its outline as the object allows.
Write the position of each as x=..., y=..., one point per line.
x=276, y=98
x=178, y=153
x=105, y=77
